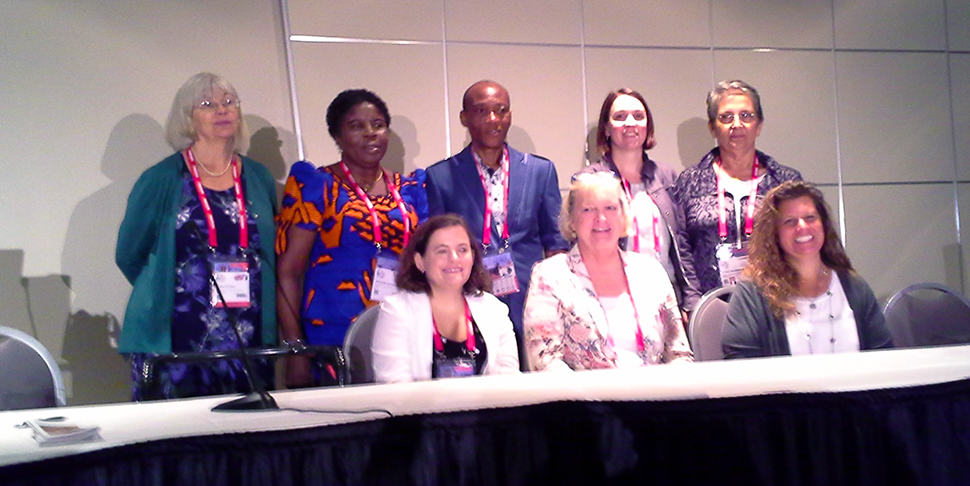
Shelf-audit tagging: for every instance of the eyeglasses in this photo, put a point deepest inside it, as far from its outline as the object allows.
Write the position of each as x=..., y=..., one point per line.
x=213, y=105
x=745, y=117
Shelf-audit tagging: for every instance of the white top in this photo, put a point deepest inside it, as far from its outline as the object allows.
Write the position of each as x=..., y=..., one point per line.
x=643, y=207
x=403, y=342
x=738, y=189
x=495, y=197
x=622, y=329
x=823, y=324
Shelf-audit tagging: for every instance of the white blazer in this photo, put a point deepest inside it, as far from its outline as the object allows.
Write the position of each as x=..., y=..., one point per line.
x=403, y=342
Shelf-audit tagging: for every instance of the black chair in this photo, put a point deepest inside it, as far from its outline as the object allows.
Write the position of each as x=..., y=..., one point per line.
x=29, y=375
x=928, y=314
x=704, y=328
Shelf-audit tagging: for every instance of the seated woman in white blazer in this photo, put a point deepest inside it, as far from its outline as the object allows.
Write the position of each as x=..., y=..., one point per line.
x=443, y=322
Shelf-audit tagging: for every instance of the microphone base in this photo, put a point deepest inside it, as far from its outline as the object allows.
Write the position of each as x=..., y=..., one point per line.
x=251, y=402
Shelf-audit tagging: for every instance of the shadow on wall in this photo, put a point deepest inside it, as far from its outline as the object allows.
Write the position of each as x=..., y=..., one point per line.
x=693, y=141
x=403, y=133
x=84, y=346
x=13, y=292
x=592, y=154
x=98, y=373
x=100, y=291
x=266, y=144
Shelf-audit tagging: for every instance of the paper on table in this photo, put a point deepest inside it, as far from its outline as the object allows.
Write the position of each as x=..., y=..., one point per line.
x=48, y=433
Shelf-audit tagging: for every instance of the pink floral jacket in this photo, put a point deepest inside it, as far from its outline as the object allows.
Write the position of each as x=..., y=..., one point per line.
x=565, y=325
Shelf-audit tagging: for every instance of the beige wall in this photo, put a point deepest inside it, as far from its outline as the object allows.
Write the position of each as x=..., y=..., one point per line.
x=85, y=89
x=869, y=98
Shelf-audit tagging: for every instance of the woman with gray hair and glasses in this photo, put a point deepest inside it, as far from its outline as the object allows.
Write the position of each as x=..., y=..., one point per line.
x=719, y=194
x=599, y=306
x=204, y=210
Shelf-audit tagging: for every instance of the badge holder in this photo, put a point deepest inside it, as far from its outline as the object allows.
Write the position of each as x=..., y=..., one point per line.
x=453, y=367
x=731, y=260
x=232, y=275
x=385, y=273
x=501, y=269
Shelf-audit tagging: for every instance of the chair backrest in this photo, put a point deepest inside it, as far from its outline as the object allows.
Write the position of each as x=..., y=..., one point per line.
x=29, y=375
x=357, y=347
x=928, y=314
x=704, y=329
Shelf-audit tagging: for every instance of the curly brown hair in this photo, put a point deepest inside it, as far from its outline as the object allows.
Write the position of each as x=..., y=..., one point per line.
x=409, y=277
x=767, y=266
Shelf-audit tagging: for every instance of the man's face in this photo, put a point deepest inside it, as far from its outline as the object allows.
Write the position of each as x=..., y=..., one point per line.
x=487, y=115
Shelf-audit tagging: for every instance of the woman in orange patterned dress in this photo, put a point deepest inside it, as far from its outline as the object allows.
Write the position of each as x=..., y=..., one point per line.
x=341, y=227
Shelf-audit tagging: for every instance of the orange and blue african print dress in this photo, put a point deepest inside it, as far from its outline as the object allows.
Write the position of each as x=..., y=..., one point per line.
x=337, y=283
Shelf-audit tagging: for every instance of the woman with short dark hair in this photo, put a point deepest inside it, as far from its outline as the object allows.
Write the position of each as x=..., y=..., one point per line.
x=341, y=230
x=443, y=323
x=799, y=293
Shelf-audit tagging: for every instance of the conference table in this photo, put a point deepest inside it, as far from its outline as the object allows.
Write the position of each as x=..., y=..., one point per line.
x=880, y=417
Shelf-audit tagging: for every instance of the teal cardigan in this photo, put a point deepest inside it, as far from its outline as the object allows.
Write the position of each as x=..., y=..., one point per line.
x=146, y=251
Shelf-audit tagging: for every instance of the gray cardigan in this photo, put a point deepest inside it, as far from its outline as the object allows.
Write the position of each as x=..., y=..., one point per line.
x=752, y=330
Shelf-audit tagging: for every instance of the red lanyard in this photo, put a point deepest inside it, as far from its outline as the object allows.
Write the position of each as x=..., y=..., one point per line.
x=207, y=209
x=439, y=345
x=487, y=225
x=636, y=226
x=636, y=315
x=722, y=212
x=375, y=221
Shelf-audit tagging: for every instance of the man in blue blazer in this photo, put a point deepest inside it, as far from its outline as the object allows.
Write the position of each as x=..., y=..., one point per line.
x=523, y=195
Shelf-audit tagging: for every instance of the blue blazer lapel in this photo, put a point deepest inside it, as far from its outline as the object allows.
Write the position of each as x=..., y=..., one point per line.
x=518, y=182
x=468, y=181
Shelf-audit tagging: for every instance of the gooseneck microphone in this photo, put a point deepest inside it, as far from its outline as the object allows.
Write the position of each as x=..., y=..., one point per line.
x=258, y=398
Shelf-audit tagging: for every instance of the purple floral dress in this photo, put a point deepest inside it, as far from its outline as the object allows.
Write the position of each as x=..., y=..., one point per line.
x=196, y=325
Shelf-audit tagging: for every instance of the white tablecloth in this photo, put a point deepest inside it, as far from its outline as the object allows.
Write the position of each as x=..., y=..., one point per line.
x=135, y=422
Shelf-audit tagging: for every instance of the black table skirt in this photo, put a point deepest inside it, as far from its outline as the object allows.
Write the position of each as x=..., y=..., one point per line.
x=912, y=436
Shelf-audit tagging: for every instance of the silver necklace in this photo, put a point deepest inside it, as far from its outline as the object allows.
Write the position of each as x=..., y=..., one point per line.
x=831, y=318
x=213, y=174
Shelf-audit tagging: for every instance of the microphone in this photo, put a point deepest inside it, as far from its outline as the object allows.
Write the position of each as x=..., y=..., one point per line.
x=258, y=398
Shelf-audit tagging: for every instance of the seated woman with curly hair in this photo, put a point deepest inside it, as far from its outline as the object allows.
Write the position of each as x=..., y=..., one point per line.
x=799, y=293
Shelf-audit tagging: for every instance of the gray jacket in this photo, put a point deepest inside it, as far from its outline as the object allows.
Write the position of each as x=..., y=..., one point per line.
x=753, y=331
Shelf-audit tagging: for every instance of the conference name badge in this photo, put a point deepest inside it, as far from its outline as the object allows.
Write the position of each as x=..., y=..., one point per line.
x=454, y=367
x=232, y=275
x=385, y=273
x=731, y=260
x=501, y=269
